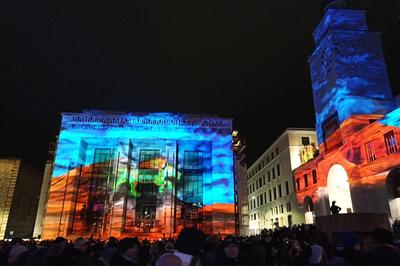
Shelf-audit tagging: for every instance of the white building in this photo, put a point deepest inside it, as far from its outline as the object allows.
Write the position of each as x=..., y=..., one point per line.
x=271, y=188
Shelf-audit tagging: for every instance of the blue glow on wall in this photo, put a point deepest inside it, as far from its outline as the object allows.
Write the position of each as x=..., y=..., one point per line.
x=392, y=118
x=81, y=134
x=348, y=70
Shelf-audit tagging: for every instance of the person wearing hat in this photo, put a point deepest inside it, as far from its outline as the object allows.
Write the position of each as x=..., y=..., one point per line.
x=190, y=244
x=128, y=253
x=229, y=253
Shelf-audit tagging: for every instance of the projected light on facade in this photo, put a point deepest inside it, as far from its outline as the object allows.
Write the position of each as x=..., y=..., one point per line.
x=348, y=70
x=357, y=123
x=141, y=174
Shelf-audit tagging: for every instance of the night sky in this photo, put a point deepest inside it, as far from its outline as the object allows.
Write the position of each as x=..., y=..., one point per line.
x=241, y=59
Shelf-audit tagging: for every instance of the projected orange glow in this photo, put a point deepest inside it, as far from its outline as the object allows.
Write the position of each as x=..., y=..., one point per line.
x=366, y=156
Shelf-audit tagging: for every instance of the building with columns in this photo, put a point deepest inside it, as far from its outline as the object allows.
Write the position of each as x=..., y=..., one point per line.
x=141, y=174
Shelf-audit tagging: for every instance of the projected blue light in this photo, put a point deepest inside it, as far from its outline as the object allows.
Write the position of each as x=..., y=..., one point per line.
x=392, y=118
x=82, y=134
x=348, y=70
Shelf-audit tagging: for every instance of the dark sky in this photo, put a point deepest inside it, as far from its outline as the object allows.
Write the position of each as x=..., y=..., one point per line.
x=241, y=59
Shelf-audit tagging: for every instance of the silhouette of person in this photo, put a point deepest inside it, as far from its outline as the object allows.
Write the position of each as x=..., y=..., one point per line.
x=335, y=209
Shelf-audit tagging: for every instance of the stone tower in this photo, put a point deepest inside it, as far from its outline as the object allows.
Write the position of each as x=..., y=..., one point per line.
x=348, y=71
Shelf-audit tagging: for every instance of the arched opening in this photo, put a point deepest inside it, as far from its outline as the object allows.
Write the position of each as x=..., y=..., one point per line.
x=393, y=183
x=393, y=188
x=339, y=188
x=309, y=213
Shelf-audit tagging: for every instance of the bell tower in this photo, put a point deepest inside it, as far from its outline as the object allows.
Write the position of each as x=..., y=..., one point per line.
x=348, y=70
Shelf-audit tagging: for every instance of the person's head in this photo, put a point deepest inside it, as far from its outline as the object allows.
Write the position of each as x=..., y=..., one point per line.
x=129, y=247
x=112, y=242
x=169, y=246
x=190, y=241
x=60, y=240
x=231, y=247
x=169, y=260
x=295, y=248
x=60, y=243
x=80, y=244
x=333, y=203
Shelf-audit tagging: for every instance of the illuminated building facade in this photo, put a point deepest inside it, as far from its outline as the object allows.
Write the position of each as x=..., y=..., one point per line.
x=146, y=175
x=19, y=191
x=357, y=123
x=272, y=197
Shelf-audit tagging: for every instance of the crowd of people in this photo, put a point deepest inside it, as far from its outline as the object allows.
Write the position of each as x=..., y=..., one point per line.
x=297, y=245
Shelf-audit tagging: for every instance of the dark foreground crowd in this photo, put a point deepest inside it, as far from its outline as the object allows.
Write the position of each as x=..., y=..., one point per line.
x=298, y=245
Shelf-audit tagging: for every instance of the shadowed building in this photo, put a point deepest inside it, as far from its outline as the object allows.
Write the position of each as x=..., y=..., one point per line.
x=44, y=192
x=239, y=150
x=19, y=197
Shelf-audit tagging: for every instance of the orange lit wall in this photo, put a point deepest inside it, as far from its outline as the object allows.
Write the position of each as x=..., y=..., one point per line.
x=367, y=179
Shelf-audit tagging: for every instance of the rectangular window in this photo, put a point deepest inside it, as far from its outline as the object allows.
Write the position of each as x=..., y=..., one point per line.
x=280, y=191
x=146, y=201
x=263, y=180
x=330, y=125
x=288, y=207
x=272, y=156
x=261, y=200
x=256, y=184
x=370, y=149
x=253, y=188
x=305, y=180
x=287, y=187
x=260, y=182
x=273, y=173
x=258, y=201
x=290, y=220
x=298, y=184
x=270, y=196
x=265, y=197
x=251, y=204
x=276, y=210
x=269, y=176
x=305, y=141
x=390, y=142
x=281, y=207
x=277, y=151
x=314, y=176
x=278, y=169
x=331, y=131
x=274, y=193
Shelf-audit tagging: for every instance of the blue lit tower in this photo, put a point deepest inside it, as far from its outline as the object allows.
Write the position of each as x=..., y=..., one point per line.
x=348, y=70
